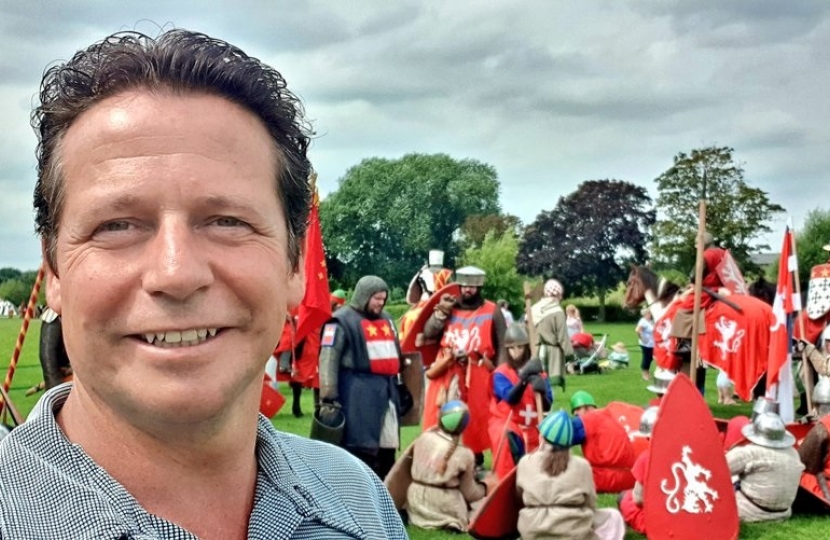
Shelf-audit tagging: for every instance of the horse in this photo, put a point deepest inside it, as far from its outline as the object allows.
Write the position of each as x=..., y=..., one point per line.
x=737, y=329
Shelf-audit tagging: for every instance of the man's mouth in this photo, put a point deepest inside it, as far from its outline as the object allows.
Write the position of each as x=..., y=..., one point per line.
x=179, y=338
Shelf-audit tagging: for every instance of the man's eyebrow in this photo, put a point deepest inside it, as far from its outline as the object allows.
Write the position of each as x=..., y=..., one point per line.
x=222, y=202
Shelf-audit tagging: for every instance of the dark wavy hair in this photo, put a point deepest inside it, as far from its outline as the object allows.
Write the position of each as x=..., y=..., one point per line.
x=181, y=62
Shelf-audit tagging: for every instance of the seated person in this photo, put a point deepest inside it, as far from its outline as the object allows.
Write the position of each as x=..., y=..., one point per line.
x=631, y=500
x=618, y=358
x=766, y=471
x=514, y=418
x=815, y=448
x=557, y=490
x=443, y=474
x=605, y=444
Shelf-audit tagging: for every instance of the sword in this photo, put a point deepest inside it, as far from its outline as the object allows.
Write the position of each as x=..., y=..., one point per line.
x=723, y=299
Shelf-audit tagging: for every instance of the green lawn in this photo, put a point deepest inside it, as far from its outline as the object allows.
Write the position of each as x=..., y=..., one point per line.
x=621, y=385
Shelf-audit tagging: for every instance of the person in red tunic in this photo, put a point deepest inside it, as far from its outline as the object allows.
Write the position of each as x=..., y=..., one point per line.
x=814, y=451
x=471, y=330
x=631, y=500
x=605, y=444
x=514, y=417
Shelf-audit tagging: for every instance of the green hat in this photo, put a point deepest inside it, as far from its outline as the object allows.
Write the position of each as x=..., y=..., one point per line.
x=339, y=293
x=557, y=429
x=581, y=398
x=454, y=417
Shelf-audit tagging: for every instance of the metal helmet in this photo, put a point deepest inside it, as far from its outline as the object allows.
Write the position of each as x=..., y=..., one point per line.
x=515, y=335
x=454, y=417
x=768, y=430
x=557, y=429
x=762, y=405
x=647, y=420
x=821, y=392
x=581, y=398
x=662, y=380
x=708, y=239
x=554, y=289
x=470, y=276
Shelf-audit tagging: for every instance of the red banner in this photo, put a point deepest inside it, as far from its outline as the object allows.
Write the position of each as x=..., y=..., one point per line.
x=786, y=302
x=315, y=308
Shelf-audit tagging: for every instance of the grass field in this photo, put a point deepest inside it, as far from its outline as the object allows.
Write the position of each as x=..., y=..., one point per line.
x=622, y=385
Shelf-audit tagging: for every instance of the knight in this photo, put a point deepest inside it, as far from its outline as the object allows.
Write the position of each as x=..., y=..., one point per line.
x=815, y=449
x=816, y=316
x=766, y=470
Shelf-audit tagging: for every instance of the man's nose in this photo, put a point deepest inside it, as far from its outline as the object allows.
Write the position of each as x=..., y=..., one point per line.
x=177, y=266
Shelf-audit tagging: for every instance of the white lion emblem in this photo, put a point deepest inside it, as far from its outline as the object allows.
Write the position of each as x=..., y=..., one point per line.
x=696, y=491
x=730, y=336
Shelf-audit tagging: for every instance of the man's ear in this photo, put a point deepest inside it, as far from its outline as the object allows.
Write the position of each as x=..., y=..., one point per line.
x=53, y=282
x=296, y=283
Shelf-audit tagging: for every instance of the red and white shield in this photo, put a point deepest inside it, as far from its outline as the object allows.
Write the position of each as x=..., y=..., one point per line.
x=626, y=414
x=688, y=487
x=818, y=293
x=730, y=275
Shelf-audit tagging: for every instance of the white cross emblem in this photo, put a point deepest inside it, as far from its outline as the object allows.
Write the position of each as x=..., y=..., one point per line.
x=529, y=414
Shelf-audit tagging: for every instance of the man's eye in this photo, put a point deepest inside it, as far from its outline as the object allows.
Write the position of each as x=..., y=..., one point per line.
x=113, y=226
x=228, y=222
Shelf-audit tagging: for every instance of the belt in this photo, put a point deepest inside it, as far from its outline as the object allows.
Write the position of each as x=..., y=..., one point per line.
x=434, y=486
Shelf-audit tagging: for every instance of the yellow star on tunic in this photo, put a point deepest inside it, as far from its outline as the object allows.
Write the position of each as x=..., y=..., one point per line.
x=386, y=331
x=320, y=276
x=323, y=263
x=824, y=272
x=372, y=329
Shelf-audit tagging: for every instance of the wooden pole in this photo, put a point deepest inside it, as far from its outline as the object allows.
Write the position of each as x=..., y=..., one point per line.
x=805, y=364
x=531, y=336
x=701, y=230
x=21, y=337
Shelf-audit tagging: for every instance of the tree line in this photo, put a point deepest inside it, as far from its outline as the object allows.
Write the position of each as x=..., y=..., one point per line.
x=386, y=214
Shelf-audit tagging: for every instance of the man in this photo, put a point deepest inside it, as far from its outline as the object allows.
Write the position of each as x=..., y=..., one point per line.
x=767, y=470
x=360, y=358
x=514, y=415
x=605, y=444
x=815, y=449
x=552, y=331
x=682, y=323
x=172, y=199
x=471, y=331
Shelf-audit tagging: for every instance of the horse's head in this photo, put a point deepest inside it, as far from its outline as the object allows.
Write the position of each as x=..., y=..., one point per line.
x=635, y=290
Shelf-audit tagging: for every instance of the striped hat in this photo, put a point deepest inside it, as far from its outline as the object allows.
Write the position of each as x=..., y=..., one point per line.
x=557, y=429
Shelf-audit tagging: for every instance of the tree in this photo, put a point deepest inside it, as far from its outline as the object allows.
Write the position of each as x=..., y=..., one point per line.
x=387, y=214
x=15, y=291
x=476, y=228
x=589, y=238
x=736, y=213
x=9, y=273
x=497, y=257
x=809, y=243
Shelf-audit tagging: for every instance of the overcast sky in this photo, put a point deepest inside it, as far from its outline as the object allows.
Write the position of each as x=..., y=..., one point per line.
x=550, y=93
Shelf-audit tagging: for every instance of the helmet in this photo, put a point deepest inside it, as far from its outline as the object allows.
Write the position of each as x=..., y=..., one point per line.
x=581, y=398
x=768, y=430
x=454, y=417
x=470, y=276
x=762, y=405
x=662, y=380
x=647, y=420
x=708, y=239
x=557, y=429
x=554, y=288
x=821, y=392
x=515, y=335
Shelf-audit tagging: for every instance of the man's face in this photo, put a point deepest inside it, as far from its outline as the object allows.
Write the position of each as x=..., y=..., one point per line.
x=172, y=270
x=376, y=303
x=468, y=292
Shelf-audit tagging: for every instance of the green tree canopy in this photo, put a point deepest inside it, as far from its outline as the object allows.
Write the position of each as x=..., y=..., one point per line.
x=477, y=227
x=587, y=240
x=497, y=257
x=810, y=242
x=387, y=214
x=9, y=273
x=736, y=214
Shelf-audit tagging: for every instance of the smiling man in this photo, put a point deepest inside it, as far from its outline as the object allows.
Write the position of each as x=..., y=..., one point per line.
x=171, y=201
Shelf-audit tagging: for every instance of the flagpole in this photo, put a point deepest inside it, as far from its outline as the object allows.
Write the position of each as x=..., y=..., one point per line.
x=808, y=373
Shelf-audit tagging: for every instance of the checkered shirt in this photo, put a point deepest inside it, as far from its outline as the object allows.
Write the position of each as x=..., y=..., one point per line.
x=50, y=488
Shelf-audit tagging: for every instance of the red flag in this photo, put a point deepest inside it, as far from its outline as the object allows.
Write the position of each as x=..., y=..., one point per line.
x=786, y=303
x=315, y=308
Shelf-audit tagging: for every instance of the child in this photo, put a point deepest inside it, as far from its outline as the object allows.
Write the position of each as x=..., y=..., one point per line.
x=443, y=474
x=557, y=490
x=514, y=418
